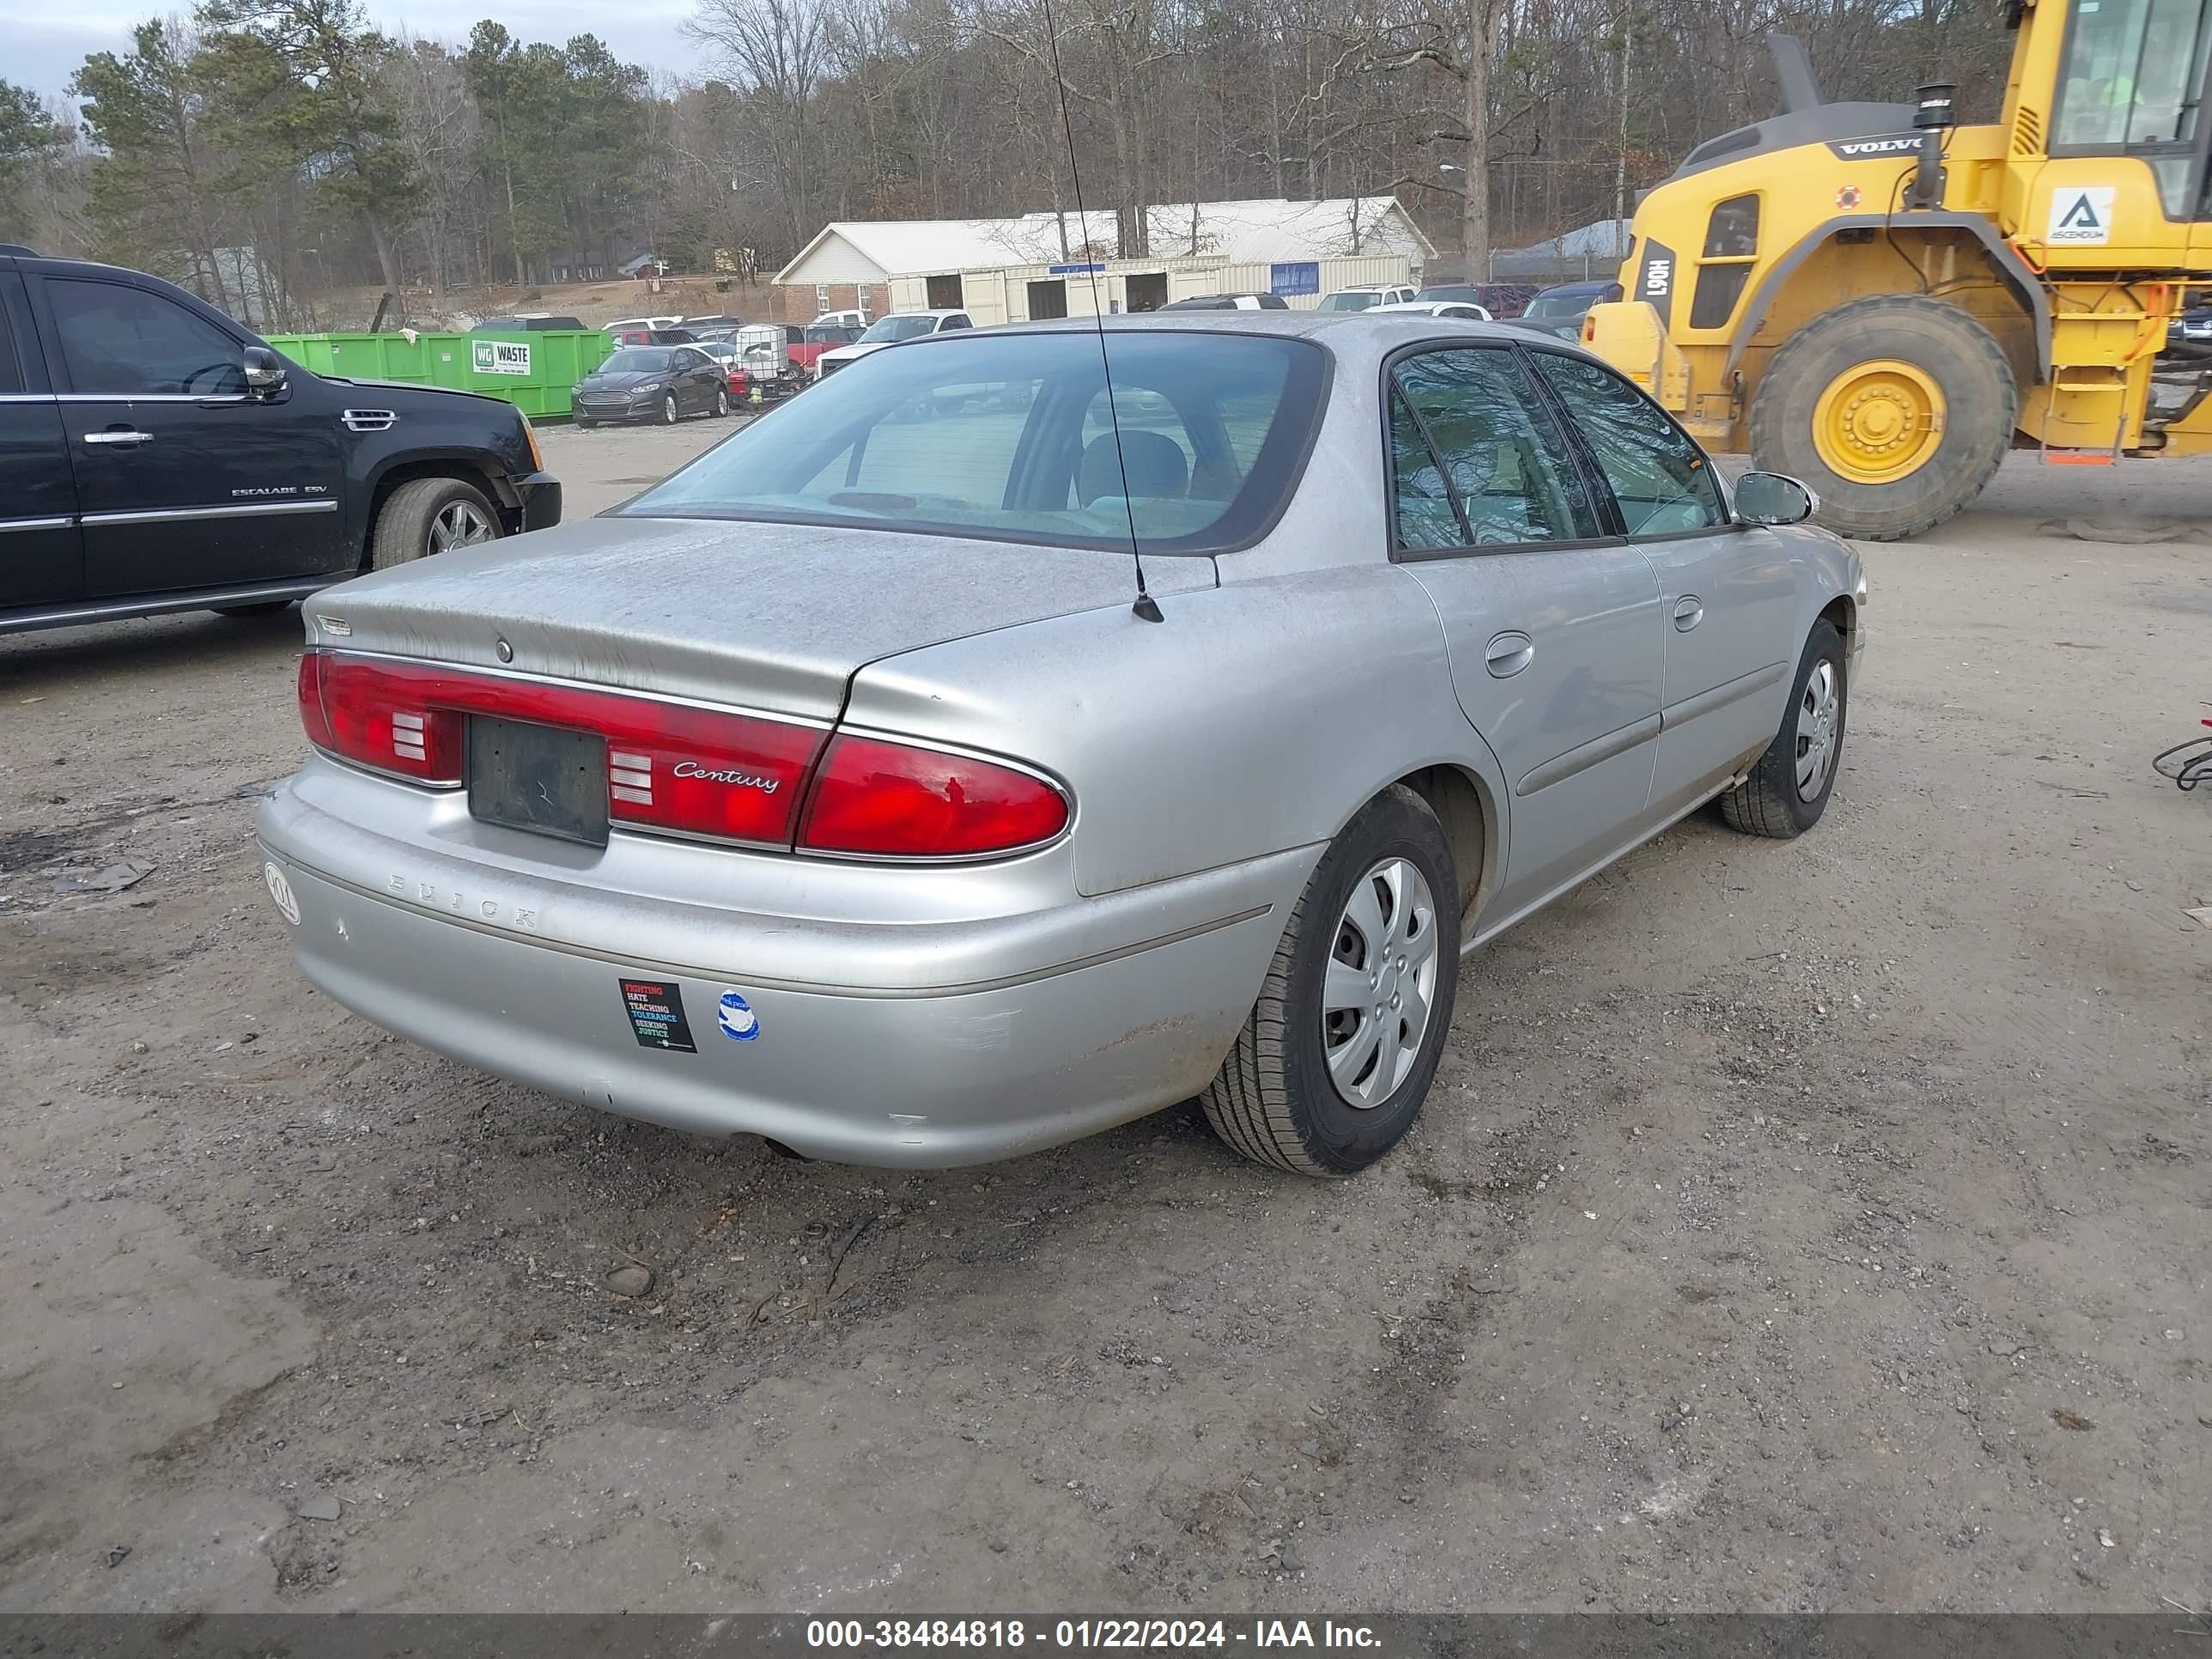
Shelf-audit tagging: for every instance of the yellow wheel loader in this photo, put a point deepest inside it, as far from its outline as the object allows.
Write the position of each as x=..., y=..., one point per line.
x=1881, y=303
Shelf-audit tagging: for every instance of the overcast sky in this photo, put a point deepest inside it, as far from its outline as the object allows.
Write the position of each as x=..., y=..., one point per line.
x=41, y=48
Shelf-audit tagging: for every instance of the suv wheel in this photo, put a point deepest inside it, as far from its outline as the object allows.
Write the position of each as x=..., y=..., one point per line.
x=430, y=515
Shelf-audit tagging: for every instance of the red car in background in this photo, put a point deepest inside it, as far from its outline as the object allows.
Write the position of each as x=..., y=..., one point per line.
x=816, y=338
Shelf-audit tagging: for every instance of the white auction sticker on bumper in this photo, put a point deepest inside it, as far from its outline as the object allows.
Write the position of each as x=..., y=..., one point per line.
x=281, y=891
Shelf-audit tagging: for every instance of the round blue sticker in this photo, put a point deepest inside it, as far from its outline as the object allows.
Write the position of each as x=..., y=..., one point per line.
x=738, y=1018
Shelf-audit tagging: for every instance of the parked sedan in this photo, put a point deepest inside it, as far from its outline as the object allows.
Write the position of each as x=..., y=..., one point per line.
x=725, y=352
x=1559, y=312
x=1465, y=310
x=838, y=789
x=653, y=383
x=1501, y=300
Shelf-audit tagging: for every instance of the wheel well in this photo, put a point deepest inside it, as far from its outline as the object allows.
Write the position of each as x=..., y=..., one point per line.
x=1943, y=262
x=1845, y=616
x=443, y=467
x=1456, y=799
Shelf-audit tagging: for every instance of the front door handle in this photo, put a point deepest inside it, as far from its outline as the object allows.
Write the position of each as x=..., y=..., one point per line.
x=1508, y=653
x=125, y=435
x=1689, y=612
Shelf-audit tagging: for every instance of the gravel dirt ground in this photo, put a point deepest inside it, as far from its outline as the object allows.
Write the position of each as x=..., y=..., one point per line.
x=1793, y=1226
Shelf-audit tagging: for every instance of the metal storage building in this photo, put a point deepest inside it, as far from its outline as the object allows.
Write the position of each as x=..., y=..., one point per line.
x=1059, y=264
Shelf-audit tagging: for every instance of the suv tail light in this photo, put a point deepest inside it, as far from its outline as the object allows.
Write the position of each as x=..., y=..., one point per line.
x=688, y=771
x=895, y=801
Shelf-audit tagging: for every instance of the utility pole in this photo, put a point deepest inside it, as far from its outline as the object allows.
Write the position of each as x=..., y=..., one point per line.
x=1620, y=155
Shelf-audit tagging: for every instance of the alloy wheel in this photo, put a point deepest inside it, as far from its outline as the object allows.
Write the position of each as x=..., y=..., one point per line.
x=460, y=524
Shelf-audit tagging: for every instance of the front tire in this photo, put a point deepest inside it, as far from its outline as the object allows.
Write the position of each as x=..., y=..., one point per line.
x=669, y=413
x=1895, y=409
x=1787, y=791
x=430, y=515
x=1338, y=1053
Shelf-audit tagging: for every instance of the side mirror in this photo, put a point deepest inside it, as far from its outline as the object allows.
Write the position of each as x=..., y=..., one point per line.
x=1772, y=498
x=265, y=373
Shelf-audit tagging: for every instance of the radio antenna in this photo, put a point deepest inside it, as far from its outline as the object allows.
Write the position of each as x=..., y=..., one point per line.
x=1146, y=607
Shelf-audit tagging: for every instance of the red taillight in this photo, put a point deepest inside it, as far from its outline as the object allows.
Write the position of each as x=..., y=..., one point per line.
x=311, y=700
x=701, y=773
x=696, y=771
x=380, y=715
x=896, y=801
x=686, y=770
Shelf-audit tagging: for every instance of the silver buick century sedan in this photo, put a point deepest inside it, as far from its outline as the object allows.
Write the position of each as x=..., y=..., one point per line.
x=835, y=791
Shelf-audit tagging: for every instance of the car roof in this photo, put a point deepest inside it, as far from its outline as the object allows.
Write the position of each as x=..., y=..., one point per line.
x=1427, y=307
x=1348, y=333
x=1594, y=285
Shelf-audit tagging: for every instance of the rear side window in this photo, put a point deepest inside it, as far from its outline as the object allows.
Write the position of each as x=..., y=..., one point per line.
x=126, y=342
x=1470, y=425
x=1661, y=481
x=11, y=368
x=1010, y=437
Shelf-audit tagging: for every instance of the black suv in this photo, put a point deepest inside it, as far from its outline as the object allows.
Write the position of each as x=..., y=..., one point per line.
x=155, y=456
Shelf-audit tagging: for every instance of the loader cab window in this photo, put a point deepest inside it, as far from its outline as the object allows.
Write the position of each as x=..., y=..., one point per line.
x=2134, y=75
x=1731, y=245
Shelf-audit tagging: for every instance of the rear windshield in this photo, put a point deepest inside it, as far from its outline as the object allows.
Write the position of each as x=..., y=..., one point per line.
x=1350, y=301
x=638, y=360
x=1010, y=437
x=1559, y=305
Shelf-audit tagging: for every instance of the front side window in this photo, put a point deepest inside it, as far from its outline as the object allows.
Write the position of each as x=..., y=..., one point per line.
x=1010, y=437
x=125, y=342
x=1661, y=481
x=1349, y=301
x=1468, y=427
x=2133, y=69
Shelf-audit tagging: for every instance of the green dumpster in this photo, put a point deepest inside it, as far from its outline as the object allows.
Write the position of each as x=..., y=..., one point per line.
x=536, y=370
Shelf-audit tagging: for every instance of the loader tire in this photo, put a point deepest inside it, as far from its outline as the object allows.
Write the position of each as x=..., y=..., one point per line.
x=1895, y=409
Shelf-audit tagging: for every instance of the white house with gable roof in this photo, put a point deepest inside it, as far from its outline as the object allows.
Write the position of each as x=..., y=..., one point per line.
x=1059, y=264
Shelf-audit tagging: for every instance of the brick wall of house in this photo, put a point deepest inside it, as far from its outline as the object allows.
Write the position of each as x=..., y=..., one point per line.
x=798, y=304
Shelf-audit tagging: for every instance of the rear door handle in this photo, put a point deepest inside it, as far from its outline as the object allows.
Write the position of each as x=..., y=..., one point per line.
x=1689, y=612
x=1508, y=653
x=128, y=438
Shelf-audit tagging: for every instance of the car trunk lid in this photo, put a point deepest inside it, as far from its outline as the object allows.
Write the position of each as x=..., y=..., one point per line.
x=773, y=616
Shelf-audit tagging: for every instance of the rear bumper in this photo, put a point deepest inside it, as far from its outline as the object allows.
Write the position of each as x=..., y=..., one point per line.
x=905, y=1043
x=541, y=501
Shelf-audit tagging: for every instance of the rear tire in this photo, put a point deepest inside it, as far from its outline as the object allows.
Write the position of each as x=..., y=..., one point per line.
x=722, y=402
x=1952, y=350
x=1787, y=791
x=1278, y=1098
x=430, y=515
